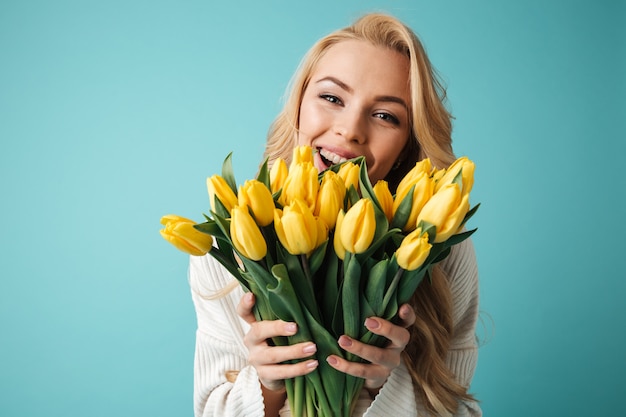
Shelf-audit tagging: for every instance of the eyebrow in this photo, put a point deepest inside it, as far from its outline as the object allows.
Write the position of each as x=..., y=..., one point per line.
x=346, y=87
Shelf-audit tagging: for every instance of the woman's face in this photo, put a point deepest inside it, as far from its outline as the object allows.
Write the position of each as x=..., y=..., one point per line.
x=357, y=104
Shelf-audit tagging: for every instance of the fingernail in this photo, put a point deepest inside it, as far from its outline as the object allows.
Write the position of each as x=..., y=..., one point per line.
x=371, y=323
x=332, y=360
x=310, y=348
x=404, y=310
x=291, y=328
x=345, y=341
x=312, y=364
x=249, y=298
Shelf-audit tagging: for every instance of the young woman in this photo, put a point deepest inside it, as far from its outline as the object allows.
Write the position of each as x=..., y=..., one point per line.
x=369, y=90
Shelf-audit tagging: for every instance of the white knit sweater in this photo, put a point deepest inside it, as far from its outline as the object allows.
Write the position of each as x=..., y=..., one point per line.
x=220, y=347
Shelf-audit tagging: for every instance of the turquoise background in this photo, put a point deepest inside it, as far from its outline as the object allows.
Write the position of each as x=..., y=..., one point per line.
x=114, y=113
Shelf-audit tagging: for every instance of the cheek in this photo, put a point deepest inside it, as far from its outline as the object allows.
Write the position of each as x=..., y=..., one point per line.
x=311, y=120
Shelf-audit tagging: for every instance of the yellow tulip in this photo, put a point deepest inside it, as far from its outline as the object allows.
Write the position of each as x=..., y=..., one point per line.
x=413, y=250
x=278, y=174
x=349, y=172
x=297, y=228
x=421, y=194
x=339, y=249
x=301, y=183
x=180, y=232
x=438, y=174
x=245, y=234
x=446, y=210
x=358, y=226
x=219, y=188
x=255, y=195
x=330, y=198
x=301, y=154
x=384, y=197
x=466, y=167
x=421, y=167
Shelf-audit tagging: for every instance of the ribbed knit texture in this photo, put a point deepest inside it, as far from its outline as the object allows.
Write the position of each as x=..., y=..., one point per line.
x=220, y=348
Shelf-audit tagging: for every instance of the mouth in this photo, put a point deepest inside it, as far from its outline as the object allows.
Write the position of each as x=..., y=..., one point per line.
x=330, y=158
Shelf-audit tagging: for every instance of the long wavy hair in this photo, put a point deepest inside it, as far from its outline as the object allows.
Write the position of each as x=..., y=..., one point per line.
x=430, y=137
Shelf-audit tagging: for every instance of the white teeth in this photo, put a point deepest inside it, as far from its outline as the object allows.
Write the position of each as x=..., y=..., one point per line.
x=332, y=157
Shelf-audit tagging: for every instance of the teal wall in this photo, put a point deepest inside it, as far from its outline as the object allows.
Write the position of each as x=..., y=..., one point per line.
x=113, y=113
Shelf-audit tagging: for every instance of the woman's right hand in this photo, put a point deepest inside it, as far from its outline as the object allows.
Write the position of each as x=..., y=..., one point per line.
x=268, y=360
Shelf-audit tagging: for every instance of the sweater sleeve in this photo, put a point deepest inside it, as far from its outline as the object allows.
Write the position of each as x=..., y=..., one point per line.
x=462, y=271
x=220, y=348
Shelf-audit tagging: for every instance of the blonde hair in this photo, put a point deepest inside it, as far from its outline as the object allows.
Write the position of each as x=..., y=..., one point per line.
x=431, y=130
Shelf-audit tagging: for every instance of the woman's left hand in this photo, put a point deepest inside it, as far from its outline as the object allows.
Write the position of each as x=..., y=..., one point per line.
x=382, y=360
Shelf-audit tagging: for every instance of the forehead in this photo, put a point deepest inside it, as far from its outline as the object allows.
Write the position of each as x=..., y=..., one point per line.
x=361, y=63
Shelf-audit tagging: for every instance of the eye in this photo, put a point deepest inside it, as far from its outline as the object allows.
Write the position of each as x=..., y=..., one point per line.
x=388, y=117
x=331, y=98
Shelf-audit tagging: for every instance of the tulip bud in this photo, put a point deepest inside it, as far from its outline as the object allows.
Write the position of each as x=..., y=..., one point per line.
x=422, y=192
x=466, y=169
x=384, y=197
x=446, y=211
x=421, y=167
x=301, y=183
x=358, y=226
x=330, y=198
x=349, y=172
x=245, y=234
x=297, y=228
x=180, y=232
x=301, y=154
x=339, y=249
x=258, y=198
x=218, y=187
x=413, y=250
x=278, y=174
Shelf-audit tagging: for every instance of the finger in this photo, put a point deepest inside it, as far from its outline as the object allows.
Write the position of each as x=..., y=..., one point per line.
x=374, y=375
x=406, y=314
x=260, y=331
x=270, y=373
x=397, y=335
x=244, y=308
x=271, y=355
x=388, y=357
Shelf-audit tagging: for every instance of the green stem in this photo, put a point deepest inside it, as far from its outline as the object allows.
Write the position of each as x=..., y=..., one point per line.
x=392, y=287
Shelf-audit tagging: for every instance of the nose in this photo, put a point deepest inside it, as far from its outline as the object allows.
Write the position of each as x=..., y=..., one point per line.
x=351, y=125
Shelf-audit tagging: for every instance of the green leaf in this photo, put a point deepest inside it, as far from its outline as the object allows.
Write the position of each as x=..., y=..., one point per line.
x=429, y=228
x=284, y=301
x=300, y=280
x=375, y=287
x=352, y=196
x=409, y=283
x=261, y=276
x=403, y=212
x=350, y=295
x=330, y=289
x=366, y=311
x=264, y=175
x=317, y=258
x=367, y=190
x=209, y=227
x=459, y=237
x=470, y=213
x=220, y=209
x=228, y=174
x=441, y=255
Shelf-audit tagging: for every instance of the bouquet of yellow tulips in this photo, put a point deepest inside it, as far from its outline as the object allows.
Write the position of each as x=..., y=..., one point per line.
x=327, y=250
